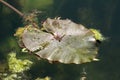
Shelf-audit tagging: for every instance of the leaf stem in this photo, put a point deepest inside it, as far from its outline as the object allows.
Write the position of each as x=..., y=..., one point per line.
x=11, y=7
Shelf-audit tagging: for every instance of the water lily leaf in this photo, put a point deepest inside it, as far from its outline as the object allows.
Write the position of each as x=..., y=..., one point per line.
x=61, y=40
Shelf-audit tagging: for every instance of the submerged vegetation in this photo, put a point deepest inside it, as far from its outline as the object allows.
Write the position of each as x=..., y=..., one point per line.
x=16, y=65
x=16, y=69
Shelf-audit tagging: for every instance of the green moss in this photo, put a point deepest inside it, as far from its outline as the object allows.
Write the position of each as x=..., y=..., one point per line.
x=18, y=65
x=97, y=35
x=11, y=77
x=19, y=32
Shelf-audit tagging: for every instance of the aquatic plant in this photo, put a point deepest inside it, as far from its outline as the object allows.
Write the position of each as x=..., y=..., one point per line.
x=18, y=65
x=98, y=35
x=16, y=68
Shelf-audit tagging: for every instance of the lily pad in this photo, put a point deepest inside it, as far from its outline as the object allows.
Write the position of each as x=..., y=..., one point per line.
x=62, y=41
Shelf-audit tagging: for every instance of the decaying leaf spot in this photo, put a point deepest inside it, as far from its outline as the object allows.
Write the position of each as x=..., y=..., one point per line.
x=61, y=40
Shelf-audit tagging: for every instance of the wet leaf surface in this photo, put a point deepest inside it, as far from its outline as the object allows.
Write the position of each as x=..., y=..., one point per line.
x=61, y=40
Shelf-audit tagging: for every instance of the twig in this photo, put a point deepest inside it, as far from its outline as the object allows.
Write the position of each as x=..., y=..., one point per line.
x=11, y=7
